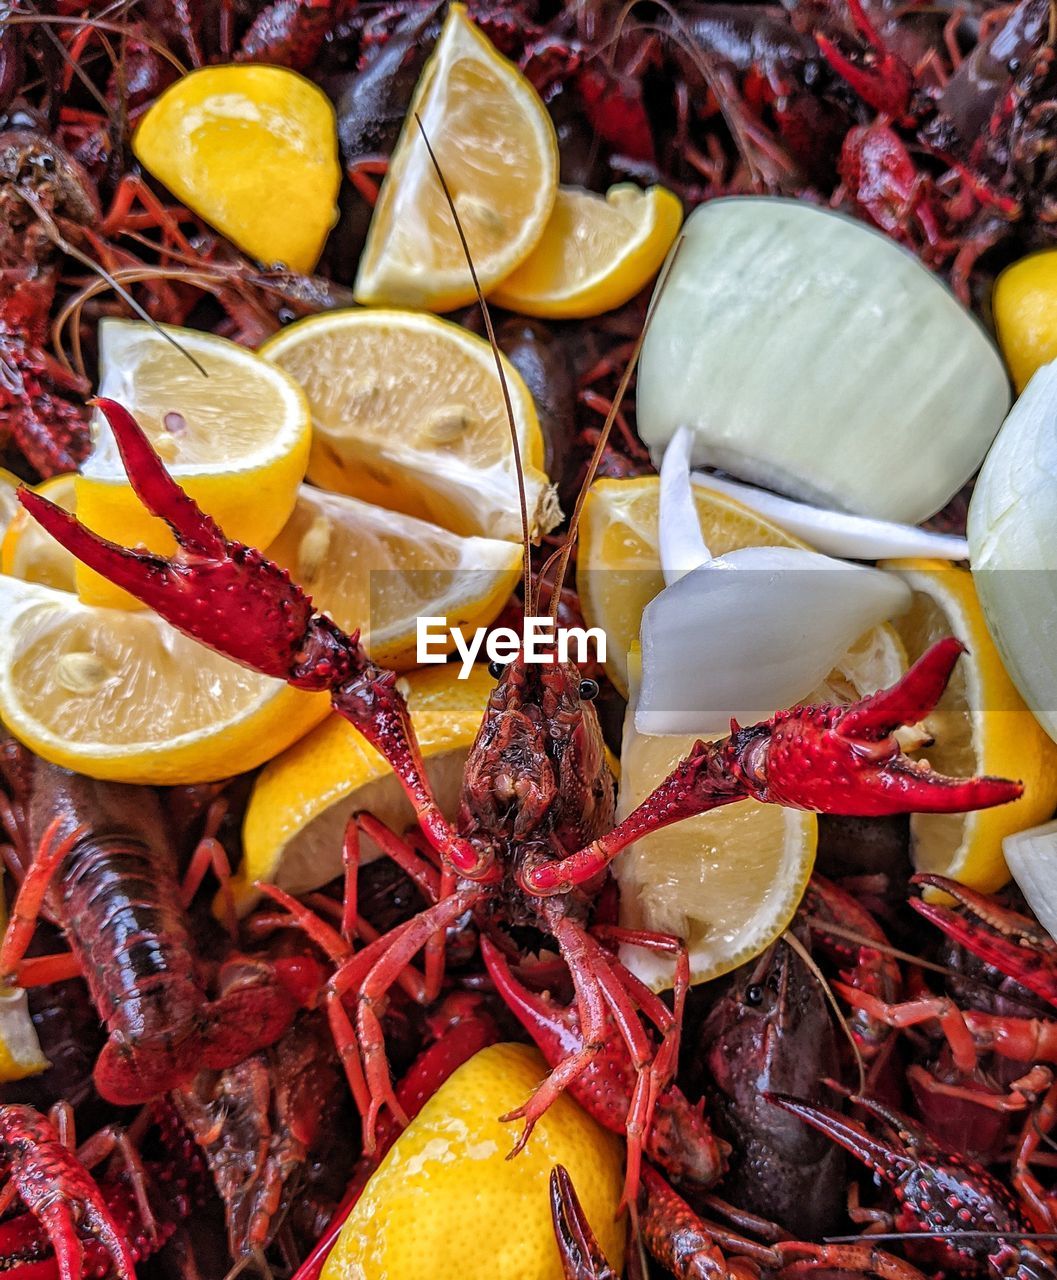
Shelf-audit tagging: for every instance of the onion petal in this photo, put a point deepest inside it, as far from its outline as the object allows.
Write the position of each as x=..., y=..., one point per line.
x=836, y=532
x=750, y=632
x=681, y=542
x=1032, y=860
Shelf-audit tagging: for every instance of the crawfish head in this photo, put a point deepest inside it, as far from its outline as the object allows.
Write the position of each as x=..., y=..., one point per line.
x=771, y=1031
x=34, y=169
x=537, y=771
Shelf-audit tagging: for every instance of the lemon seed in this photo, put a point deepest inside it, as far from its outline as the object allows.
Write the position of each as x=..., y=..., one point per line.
x=447, y=424
x=81, y=672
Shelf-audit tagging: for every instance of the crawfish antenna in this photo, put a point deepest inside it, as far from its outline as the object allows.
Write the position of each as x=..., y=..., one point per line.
x=564, y=553
x=490, y=330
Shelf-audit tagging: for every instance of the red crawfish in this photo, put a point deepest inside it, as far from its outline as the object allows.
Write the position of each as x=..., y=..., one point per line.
x=535, y=831
x=971, y=1218
x=38, y=182
x=105, y=870
x=691, y=1247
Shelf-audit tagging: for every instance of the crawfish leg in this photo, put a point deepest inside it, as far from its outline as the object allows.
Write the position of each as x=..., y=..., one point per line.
x=1037, y=1204
x=51, y=853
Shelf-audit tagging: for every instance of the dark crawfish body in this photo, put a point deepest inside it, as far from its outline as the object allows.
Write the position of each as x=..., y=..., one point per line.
x=116, y=898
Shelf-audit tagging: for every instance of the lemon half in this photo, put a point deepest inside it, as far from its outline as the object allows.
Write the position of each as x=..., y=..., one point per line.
x=408, y=413
x=981, y=725
x=236, y=439
x=124, y=696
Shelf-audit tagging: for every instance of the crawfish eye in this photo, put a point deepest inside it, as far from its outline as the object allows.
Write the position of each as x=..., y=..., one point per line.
x=754, y=994
x=496, y=669
x=588, y=690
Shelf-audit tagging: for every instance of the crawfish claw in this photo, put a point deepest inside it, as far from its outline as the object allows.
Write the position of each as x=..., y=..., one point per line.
x=59, y=1192
x=1009, y=941
x=845, y=760
x=224, y=594
x=582, y=1258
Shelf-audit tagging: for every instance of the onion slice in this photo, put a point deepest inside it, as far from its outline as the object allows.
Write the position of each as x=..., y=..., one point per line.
x=836, y=532
x=741, y=635
x=680, y=540
x=1032, y=860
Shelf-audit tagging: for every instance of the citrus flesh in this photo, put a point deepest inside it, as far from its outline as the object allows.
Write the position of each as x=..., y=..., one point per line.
x=497, y=149
x=408, y=413
x=28, y=552
x=236, y=440
x=980, y=726
x=595, y=253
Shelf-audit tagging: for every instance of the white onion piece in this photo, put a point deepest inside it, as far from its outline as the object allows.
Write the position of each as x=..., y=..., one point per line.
x=682, y=545
x=835, y=532
x=814, y=356
x=1032, y=860
x=750, y=632
x=1012, y=530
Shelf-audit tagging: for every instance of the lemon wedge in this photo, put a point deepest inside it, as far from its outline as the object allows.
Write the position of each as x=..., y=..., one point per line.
x=596, y=252
x=302, y=800
x=619, y=573
x=29, y=553
x=498, y=152
x=726, y=882
x=980, y=725
x=254, y=150
x=1024, y=305
x=378, y=571
x=236, y=438
x=20, y=1051
x=408, y=413
x=446, y=1202
x=123, y=696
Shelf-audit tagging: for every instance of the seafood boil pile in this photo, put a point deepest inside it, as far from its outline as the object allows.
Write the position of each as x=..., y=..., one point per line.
x=528, y=712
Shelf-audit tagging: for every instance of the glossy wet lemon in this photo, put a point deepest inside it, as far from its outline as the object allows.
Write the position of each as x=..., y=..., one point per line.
x=379, y=571
x=726, y=882
x=1025, y=311
x=498, y=152
x=301, y=801
x=981, y=725
x=20, y=1051
x=596, y=252
x=254, y=150
x=236, y=438
x=29, y=553
x=408, y=413
x=446, y=1202
x=619, y=573
x=121, y=695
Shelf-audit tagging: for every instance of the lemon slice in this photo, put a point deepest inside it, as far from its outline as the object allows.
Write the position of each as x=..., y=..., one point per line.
x=619, y=573
x=254, y=150
x=596, y=252
x=237, y=440
x=408, y=413
x=726, y=882
x=20, y=1051
x=378, y=571
x=302, y=800
x=498, y=152
x=124, y=696
x=980, y=725
x=450, y=1167
x=29, y=553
